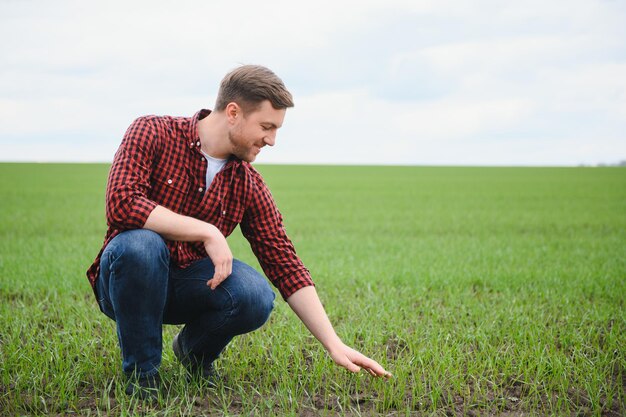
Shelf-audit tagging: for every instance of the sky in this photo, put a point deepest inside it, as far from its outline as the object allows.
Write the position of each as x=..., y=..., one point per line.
x=433, y=82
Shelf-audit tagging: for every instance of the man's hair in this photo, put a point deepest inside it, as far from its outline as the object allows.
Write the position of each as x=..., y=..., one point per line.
x=249, y=86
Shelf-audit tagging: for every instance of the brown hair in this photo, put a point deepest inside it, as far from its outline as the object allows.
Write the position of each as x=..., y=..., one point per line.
x=249, y=85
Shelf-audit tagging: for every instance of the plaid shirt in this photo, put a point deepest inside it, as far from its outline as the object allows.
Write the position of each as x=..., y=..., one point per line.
x=159, y=163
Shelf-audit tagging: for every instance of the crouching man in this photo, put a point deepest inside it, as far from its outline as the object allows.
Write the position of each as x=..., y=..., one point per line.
x=177, y=187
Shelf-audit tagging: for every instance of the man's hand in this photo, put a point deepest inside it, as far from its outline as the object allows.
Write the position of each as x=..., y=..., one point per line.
x=218, y=250
x=176, y=227
x=353, y=361
x=306, y=304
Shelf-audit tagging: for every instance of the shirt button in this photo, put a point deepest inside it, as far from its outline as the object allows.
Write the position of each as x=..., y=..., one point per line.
x=169, y=181
x=200, y=189
x=224, y=213
x=180, y=247
x=198, y=143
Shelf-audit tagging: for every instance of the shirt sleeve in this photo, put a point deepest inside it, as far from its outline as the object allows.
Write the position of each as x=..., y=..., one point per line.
x=262, y=226
x=127, y=204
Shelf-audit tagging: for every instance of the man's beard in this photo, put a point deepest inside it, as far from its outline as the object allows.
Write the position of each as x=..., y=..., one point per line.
x=240, y=151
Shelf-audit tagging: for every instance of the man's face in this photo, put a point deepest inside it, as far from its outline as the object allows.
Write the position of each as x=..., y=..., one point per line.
x=253, y=131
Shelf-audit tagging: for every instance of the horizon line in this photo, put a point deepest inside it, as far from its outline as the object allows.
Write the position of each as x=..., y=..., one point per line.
x=620, y=164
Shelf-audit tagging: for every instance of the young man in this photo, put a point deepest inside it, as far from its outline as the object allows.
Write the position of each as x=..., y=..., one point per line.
x=176, y=188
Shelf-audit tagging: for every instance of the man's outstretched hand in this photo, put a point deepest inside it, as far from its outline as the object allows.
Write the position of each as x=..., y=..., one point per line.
x=306, y=304
x=354, y=361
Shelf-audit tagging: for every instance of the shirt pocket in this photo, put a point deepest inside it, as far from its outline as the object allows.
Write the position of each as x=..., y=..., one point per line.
x=170, y=190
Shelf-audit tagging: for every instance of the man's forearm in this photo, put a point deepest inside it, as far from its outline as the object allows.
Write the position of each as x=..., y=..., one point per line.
x=308, y=307
x=173, y=226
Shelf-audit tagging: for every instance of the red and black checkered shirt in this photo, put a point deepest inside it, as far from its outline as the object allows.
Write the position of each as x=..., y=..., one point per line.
x=159, y=163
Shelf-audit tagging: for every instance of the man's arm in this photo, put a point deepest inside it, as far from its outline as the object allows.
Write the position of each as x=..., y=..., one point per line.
x=128, y=205
x=127, y=202
x=307, y=306
x=263, y=227
x=173, y=226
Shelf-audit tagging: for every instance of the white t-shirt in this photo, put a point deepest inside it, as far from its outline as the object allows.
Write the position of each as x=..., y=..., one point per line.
x=214, y=166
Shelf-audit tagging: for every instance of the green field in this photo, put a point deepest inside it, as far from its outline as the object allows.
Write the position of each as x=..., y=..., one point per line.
x=485, y=291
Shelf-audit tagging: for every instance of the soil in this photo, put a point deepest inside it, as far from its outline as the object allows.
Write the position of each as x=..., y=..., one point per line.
x=361, y=404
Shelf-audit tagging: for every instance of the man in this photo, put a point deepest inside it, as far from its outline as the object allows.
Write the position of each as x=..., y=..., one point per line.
x=176, y=188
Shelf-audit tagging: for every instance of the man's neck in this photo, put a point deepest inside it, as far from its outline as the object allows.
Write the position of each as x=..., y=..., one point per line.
x=213, y=133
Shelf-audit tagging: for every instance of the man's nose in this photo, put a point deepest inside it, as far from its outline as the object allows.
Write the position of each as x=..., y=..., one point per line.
x=270, y=139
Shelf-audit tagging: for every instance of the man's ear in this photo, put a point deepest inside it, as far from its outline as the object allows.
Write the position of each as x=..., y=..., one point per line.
x=233, y=111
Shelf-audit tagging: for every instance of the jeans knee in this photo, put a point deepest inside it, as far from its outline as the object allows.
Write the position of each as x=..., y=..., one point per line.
x=253, y=308
x=139, y=246
x=138, y=255
x=143, y=245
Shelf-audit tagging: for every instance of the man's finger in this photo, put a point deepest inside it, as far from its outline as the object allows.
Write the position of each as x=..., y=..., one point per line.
x=352, y=367
x=211, y=282
x=384, y=374
x=374, y=367
x=221, y=273
x=217, y=280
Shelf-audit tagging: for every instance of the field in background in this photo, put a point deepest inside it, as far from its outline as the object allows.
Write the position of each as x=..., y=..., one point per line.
x=484, y=291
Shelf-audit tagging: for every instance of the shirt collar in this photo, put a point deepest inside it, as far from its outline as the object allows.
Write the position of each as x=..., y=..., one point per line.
x=194, y=139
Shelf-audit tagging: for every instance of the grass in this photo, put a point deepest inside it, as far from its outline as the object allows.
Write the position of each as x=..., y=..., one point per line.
x=485, y=291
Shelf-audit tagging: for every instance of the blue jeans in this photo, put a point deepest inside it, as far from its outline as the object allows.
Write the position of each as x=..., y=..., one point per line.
x=141, y=290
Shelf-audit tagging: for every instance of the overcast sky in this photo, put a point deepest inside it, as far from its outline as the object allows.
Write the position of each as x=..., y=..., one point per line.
x=390, y=81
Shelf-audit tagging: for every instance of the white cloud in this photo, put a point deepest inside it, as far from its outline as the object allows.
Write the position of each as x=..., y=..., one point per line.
x=395, y=81
x=353, y=127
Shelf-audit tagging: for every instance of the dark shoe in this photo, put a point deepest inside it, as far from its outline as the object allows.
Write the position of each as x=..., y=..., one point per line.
x=194, y=367
x=144, y=388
